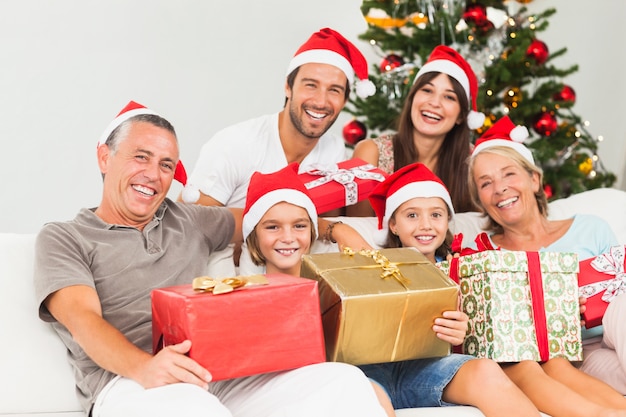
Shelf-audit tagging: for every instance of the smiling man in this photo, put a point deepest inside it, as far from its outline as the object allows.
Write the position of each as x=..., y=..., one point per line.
x=318, y=83
x=94, y=275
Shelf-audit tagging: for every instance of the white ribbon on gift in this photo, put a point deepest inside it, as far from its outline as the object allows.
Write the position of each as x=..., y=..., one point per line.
x=611, y=263
x=344, y=177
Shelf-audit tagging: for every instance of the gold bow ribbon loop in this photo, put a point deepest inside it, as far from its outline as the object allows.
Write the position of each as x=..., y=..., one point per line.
x=389, y=269
x=226, y=285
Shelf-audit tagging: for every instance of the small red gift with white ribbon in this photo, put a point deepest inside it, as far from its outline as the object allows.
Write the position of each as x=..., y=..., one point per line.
x=338, y=185
x=603, y=274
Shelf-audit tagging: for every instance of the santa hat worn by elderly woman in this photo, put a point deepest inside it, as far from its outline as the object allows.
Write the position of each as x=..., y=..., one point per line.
x=448, y=61
x=266, y=190
x=329, y=47
x=135, y=109
x=505, y=133
x=411, y=181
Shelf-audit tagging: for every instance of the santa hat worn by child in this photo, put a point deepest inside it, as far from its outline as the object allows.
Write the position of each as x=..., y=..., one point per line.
x=505, y=133
x=135, y=109
x=329, y=47
x=266, y=190
x=448, y=61
x=409, y=182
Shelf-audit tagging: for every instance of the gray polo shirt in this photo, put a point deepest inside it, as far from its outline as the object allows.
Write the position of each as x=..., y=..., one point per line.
x=124, y=264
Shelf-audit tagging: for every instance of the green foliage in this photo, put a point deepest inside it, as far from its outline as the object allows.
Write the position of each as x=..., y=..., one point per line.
x=564, y=153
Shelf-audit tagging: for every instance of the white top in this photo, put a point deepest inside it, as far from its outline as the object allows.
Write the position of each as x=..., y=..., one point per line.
x=228, y=160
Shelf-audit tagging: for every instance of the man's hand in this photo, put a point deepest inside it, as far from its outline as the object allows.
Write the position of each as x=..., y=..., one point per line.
x=171, y=365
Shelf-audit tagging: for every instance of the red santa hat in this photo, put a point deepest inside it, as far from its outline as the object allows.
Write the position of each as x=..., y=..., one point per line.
x=409, y=182
x=505, y=133
x=266, y=190
x=135, y=109
x=448, y=61
x=330, y=47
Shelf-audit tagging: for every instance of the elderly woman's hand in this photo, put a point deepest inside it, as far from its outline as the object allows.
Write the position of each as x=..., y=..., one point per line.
x=452, y=327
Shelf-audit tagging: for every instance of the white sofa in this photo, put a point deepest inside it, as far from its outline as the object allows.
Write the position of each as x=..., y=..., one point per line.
x=36, y=379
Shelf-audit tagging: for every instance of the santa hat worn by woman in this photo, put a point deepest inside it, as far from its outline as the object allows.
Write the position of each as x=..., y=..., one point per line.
x=133, y=109
x=448, y=61
x=409, y=182
x=329, y=47
x=266, y=190
x=505, y=133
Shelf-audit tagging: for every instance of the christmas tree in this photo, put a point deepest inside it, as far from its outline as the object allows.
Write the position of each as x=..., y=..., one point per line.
x=515, y=72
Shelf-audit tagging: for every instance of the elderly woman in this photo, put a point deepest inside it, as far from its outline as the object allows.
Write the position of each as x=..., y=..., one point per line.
x=506, y=185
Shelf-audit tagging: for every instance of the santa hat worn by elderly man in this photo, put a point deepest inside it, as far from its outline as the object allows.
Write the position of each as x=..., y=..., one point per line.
x=267, y=190
x=448, y=61
x=411, y=181
x=505, y=133
x=133, y=109
x=329, y=47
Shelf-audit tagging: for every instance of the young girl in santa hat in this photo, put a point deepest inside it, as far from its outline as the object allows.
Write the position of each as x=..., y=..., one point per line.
x=414, y=207
x=433, y=128
x=280, y=225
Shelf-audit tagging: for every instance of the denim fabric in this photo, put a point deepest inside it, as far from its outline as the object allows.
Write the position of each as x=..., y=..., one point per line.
x=416, y=383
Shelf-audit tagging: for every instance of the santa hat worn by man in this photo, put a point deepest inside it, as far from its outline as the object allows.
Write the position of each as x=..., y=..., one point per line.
x=409, y=182
x=448, y=61
x=135, y=109
x=505, y=133
x=330, y=47
x=266, y=190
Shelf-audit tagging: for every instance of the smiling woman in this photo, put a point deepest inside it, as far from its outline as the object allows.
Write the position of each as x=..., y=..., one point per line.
x=507, y=186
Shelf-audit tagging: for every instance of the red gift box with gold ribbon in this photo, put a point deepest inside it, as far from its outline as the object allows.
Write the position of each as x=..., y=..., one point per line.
x=250, y=330
x=343, y=184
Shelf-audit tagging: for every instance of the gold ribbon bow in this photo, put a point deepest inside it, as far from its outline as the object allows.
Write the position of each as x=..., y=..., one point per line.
x=390, y=269
x=226, y=285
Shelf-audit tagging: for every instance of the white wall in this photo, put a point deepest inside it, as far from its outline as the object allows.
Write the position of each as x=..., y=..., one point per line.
x=68, y=66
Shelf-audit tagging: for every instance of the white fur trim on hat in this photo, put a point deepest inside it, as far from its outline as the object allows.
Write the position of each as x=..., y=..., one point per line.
x=425, y=189
x=252, y=217
x=322, y=56
x=520, y=148
x=121, y=119
x=448, y=67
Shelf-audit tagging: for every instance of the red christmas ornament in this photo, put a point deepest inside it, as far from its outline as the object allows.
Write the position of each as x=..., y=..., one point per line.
x=476, y=14
x=353, y=132
x=567, y=94
x=545, y=123
x=547, y=189
x=538, y=51
x=391, y=62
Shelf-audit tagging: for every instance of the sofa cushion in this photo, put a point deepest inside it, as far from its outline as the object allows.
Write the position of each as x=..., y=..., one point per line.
x=35, y=375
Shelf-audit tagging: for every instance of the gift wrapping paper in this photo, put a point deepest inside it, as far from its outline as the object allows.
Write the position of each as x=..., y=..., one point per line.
x=248, y=331
x=370, y=315
x=521, y=305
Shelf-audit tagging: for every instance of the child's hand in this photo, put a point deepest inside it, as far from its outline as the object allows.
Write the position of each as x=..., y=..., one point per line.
x=452, y=327
x=582, y=301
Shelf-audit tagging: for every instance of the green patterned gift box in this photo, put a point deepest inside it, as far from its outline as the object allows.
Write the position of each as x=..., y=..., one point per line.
x=521, y=305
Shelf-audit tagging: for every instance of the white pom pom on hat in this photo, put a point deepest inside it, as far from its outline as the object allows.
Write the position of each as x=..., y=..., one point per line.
x=266, y=190
x=133, y=109
x=448, y=61
x=411, y=181
x=505, y=133
x=328, y=46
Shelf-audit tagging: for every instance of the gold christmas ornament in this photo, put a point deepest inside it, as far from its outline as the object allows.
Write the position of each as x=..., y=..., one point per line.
x=489, y=120
x=586, y=166
x=381, y=19
x=512, y=97
x=524, y=1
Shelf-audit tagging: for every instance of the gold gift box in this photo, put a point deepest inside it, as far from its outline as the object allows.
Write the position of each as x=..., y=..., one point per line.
x=372, y=316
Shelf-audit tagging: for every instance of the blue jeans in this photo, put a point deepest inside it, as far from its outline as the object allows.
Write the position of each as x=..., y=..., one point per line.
x=416, y=383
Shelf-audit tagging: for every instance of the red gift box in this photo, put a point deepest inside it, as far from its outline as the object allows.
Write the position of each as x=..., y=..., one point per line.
x=601, y=279
x=248, y=331
x=340, y=185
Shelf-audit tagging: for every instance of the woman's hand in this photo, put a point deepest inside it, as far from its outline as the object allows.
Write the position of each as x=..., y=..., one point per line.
x=452, y=327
